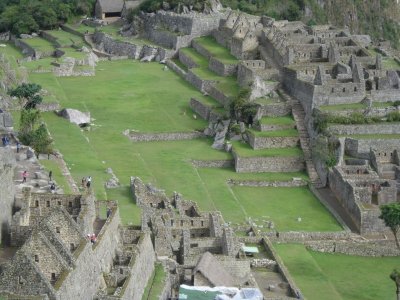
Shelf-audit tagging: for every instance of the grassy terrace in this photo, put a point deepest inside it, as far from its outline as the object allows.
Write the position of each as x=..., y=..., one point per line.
x=40, y=44
x=156, y=283
x=219, y=52
x=373, y=136
x=198, y=59
x=57, y=174
x=66, y=39
x=287, y=120
x=338, y=276
x=244, y=150
x=275, y=133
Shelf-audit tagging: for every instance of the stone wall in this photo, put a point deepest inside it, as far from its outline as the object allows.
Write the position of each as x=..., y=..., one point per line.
x=385, y=95
x=374, y=248
x=176, y=68
x=50, y=38
x=222, y=69
x=200, y=84
x=107, y=240
x=276, y=110
x=268, y=164
x=219, y=96
x=26, y=49
x=7, y=190
x=6, y=120
x=361, y=148
x=141, y=269
x=200, y=49
x=380, y=128
x=259, y=142
x=135, y=51
x=260, y=183
x=213, y=163
x=200, y=108
x=186, y=60
x=170, y=136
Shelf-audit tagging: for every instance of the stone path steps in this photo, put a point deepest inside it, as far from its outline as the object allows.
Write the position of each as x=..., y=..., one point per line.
x=299, y=115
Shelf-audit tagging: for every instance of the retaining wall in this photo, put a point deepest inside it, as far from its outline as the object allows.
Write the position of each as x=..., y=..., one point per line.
x=200, y=108
x=200, y=84
x=222, y=69
x=182, y=73
x=268, y=164
x=213, y=163
x=170, y=136
x=381, y=128
x=186, y=60
x=271, y=142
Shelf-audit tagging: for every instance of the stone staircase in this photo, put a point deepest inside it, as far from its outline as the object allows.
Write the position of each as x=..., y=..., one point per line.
x=299, y=115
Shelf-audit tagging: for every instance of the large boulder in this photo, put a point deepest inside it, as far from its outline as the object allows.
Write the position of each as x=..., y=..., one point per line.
x=75, y=116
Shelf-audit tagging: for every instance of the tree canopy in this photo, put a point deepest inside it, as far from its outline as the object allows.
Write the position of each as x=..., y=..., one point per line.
x=29, y=93
x=26, y=16
x=390, y=214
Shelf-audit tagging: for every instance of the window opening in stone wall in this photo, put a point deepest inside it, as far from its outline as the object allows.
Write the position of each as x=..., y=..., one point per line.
x=48, y=203
x=191, y=222
x=72, y=247
x=202, y=223
x=333, y=90
x=59, y=202
x=194, y=245
x=344, y=90
x=70, y=204
x=37, y=203
x=181, y=222
x=121, y=271
x=58, y=229
x=355, y=89
x=36, y=258
x=53, y=276
x=172, y=222
x=20, y=280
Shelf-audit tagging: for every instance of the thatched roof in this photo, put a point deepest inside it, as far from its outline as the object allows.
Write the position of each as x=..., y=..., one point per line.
x=213, y=270
x=108, y=6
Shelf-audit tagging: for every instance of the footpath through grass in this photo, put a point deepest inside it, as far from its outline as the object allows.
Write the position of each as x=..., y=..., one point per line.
x=338, y=276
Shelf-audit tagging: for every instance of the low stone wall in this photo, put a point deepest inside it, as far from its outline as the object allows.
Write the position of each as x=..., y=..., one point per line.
x=50, y=38
x=200, y=84
x=268, y=164
x=259, y=183
x=52, y=106
x=200, y=49
x=26, y=49
x=267, y=127
x=170, y=136
x=385, y=95
x=176, y=68
x=381, y=128
x=367, y=248
x=271, y=142
x=276, y=110
x=186, y=60
x=222, y=69
x=373, y=111
x=219, y=96
x=200, y=108
x=213, y=163
x=305, y=236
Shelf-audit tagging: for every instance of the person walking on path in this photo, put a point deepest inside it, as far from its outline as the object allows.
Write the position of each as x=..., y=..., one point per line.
x=108, y=212
x=50, y=175
x=24, y=176
x=18, y=146
x=53, y=188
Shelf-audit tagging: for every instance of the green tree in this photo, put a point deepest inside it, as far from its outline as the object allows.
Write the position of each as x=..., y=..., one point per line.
x=28, y=93
x=390, y=214
x=29, y=119
x=395, y=276
x=41, y=141
x=239, y=103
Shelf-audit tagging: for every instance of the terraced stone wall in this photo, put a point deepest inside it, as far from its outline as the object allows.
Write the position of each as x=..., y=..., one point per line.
x=271, y=142
x=7, y=190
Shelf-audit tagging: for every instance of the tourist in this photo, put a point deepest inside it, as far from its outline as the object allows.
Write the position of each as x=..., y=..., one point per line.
x=277, y=234
x=93, y=238
x=3, y=139
x=108, y=212
x=18, y=146
x=24, y=176
x=53, y=188
x=50, y=175
x=83, y=182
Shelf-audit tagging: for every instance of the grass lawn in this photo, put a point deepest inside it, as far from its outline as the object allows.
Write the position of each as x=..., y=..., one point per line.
x=66, y=39
x=126, y=103
x=244, y=150
x=338, y=276
x=287, y=120
x=283, y=205
x=40, y=44
x=275, y=133
x=219, y=52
